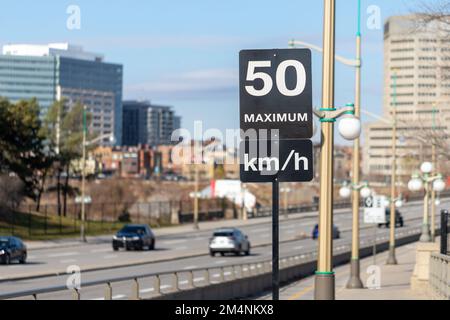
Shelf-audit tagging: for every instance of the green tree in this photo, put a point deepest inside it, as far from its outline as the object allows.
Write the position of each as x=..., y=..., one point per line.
x=23, y=150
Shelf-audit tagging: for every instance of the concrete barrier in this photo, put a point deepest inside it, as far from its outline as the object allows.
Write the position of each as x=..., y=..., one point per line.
x=257, y=284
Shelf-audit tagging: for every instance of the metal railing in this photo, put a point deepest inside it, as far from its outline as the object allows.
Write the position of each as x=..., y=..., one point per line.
x=192, y=278
x=445, y=229
x=440, y=275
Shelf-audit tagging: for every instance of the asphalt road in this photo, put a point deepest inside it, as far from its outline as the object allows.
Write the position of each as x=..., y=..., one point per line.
x=170, y=248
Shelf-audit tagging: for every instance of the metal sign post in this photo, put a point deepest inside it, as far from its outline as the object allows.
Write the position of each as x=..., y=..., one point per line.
x=275, y=241
x=374, y=213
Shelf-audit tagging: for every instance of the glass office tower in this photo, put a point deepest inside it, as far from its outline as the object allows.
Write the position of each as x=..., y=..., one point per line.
x=55, y=71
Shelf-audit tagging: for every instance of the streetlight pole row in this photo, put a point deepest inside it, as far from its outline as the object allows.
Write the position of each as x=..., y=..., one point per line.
x=419, y=181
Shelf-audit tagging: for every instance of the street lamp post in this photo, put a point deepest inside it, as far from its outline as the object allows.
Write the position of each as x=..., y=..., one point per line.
x=392, y=260
x=196, y=227
x=83, y=172
x=433, y=192
x=355, y=190
x=83, y=179
x=324, y=281
x=355, y=281
x=350, y=129
x=244, y=215
x=423, y=181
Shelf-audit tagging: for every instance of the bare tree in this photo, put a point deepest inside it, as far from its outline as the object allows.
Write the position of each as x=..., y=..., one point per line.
x=11, y=192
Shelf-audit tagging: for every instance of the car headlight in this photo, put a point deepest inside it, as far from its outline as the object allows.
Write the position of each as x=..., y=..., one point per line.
x=2, y=251
x=115, y=238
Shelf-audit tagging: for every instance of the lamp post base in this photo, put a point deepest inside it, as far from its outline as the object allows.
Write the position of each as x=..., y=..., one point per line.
x=324, y=286
x=425, y=236
x=355, y=281
x=392, y=260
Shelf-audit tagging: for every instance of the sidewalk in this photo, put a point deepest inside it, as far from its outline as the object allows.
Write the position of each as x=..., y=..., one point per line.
x=395, y=281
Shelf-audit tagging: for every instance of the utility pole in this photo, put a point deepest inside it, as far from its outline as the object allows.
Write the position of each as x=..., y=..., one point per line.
x=83, y=179
x=435, y=169
x=325, y=278
x=196, y=227
x=392, y=260
x=355, y=281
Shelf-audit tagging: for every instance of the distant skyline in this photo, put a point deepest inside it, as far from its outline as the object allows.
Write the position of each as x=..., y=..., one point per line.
x=185, y=54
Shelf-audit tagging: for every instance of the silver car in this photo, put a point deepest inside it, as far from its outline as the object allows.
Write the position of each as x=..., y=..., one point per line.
x=229, y=240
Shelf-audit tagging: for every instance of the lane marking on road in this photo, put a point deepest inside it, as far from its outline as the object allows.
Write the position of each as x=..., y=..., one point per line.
x=110, y=256
x=100, y=250
x=64, y=254
x=220, y=262
x=119, y=296
x=181, y=248
x=298, y=248
x=67, y=261
x=312, y=223
x=199, y=279
x=189, y=267
x=261, y=230
x=173, y=241
x=31, y=257
x=146, y=290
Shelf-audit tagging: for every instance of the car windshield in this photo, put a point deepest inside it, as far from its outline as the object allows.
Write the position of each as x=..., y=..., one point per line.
x=223, y=234
x=133, y=229
x=4, y=242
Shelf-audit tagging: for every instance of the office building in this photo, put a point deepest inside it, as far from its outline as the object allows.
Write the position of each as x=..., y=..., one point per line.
x=416, y=57
x=148, y=124
x=59, y=70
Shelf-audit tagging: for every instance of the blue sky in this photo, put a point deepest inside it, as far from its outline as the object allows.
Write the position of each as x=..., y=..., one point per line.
x=185, y=53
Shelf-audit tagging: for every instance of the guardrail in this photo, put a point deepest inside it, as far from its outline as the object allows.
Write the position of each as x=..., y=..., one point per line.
x=188, y=280
x=440, y=275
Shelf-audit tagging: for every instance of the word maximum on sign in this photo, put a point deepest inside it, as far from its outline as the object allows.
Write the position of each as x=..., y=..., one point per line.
x=285, y=160
x=275, y=117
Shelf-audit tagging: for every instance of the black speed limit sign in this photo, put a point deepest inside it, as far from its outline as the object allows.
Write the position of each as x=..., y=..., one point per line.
x=276, y=92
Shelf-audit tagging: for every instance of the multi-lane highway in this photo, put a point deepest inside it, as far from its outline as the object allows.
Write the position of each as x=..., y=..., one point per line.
x=175, y=252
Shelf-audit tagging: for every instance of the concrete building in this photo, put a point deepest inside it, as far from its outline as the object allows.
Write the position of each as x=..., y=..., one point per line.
x=127, y=162
x=416, y=57
x=148, y=124
x=59, y=70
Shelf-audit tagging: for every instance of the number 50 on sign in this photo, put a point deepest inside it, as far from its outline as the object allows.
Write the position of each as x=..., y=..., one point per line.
x=276, y=92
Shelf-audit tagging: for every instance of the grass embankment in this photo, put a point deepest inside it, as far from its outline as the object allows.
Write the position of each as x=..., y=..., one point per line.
x=38, y=227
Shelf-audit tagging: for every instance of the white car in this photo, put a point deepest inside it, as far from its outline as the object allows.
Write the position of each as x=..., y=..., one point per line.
x=229, y=240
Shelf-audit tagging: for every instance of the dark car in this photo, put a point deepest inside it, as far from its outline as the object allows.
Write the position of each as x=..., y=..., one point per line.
x=134, y=236
x=398, y=219
x=12, y=249
x=315, y=233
